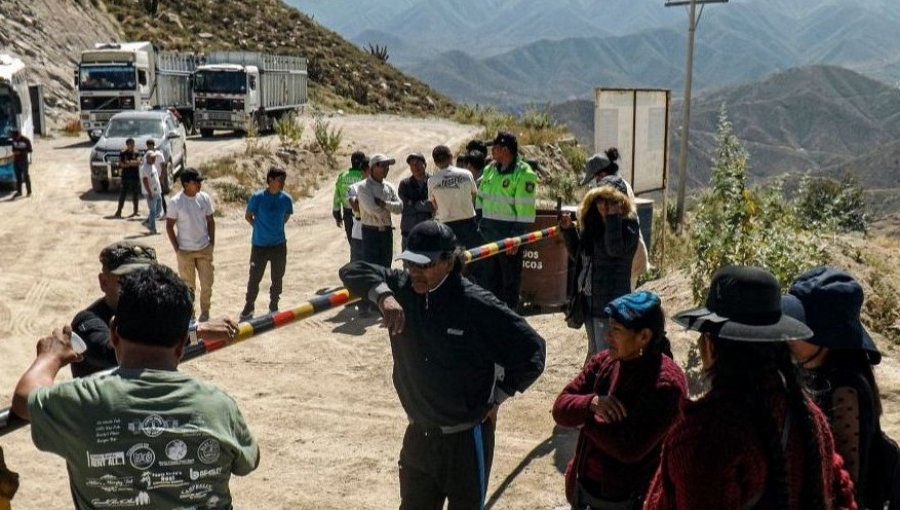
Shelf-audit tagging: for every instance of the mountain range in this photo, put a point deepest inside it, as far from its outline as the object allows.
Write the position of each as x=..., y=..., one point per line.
x=736, y=43
x=822, y=119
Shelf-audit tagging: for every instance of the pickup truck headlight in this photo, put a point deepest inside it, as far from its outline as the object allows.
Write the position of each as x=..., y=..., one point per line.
x=96, y=156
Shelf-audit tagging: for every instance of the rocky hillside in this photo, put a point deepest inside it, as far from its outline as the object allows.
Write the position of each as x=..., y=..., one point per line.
x=341, y=74
x=49, y=34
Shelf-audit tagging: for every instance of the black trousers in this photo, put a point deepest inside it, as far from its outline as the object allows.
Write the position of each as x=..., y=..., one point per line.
x=21, y=170
x=348, y=223
x=504, y=276
x=378, y=245
x=276, y=256
x=467, y=234
x=436, y=467
x=133, y=187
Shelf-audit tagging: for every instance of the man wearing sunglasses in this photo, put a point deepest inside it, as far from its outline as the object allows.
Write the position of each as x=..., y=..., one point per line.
x=447, y=335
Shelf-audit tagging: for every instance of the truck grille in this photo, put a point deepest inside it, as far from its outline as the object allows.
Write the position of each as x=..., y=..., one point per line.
x=107, y=103
x=218, y=103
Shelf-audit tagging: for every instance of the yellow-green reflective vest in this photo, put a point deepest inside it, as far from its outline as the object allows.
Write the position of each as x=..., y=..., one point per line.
x=509, y=196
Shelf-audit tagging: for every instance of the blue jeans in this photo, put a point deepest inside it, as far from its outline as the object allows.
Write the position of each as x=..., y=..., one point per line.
x=154, y=203
x=596, y=332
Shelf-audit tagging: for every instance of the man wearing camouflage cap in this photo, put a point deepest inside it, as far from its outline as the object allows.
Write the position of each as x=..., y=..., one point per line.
x=92, y=323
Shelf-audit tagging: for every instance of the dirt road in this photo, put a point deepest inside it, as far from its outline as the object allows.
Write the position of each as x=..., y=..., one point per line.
x=317, y=394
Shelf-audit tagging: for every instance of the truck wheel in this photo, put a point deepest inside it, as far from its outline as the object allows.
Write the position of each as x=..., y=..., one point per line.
x=93, y=138
x=206, y=132
x=100, y=186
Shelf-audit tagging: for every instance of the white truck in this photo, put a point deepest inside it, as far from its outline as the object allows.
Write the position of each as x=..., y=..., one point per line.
x=236, y=89
x=117, y=77
x=15, y=112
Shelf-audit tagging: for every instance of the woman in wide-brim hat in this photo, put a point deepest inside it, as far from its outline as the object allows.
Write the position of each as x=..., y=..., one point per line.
x=624, y=401
x=754, y=440
x=602, y=248
x=837, y=364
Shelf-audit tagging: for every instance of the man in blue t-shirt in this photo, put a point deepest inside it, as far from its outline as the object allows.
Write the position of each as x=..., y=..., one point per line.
x=267, y=211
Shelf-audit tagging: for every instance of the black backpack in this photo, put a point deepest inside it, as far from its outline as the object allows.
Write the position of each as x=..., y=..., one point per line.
x=883, y=484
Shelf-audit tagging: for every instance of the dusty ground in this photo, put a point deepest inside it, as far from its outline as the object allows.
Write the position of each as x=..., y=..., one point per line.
x=317, y=394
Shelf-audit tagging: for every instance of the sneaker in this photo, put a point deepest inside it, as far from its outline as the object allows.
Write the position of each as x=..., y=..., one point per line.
x=132, y=215
x=273, y=306
x=204, y=316
x=146, y=223
x=246, y=314
x=118, y=214
x=17, y=194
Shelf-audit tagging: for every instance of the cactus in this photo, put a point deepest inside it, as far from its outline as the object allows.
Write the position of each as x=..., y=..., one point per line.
x=379, y=52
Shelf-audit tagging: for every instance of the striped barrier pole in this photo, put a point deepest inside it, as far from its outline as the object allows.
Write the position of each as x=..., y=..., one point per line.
x=318, y=304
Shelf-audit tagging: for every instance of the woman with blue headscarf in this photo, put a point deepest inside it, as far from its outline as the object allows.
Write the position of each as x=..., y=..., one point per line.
x=625, y=399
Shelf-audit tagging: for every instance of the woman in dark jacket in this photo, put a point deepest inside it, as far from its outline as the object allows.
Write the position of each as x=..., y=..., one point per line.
x=624, y=400
x=837, y=363
x=602, y=248
x=754, y=440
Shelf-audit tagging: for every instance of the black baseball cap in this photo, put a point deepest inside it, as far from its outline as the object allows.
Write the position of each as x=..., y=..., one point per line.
x=416, y=155
x=427, y=242
x=126, y=257
x=190, y=174
x=506, y=139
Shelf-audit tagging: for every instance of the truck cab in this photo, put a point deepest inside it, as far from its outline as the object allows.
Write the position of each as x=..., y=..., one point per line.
x=112, y=78
x=225, y=95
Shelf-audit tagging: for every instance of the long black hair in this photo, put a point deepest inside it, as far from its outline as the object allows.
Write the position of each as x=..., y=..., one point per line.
x=749, y=372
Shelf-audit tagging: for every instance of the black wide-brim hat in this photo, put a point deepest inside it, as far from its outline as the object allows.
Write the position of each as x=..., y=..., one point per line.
x=744, y=304
x=831, y=301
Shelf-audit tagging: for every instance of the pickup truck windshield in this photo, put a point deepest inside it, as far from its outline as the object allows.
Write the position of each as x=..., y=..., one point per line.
x=134, y=128
x=226, y=82
x=116, y=77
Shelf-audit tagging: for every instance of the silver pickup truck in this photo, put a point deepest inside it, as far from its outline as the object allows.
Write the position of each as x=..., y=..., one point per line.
x=159, y=125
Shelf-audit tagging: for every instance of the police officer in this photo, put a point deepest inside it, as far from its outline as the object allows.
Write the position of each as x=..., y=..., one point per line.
x=447, y=334
x=507, y=198
x=340, y=209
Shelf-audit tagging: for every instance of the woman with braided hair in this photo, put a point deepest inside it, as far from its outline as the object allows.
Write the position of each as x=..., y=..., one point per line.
x=754, y=441
x=624, y=400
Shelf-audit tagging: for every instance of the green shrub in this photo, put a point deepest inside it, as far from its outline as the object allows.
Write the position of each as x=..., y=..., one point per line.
x=232, y=193
x=736, y=224
x=882, y=306
x=575, y=155
x=832, y=204
x=289, y=130
x=327, y=138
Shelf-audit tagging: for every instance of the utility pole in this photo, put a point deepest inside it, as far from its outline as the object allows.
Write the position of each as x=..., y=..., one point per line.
x=693, y=21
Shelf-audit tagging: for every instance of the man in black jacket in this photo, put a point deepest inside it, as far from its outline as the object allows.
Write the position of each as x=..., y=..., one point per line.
x=447, y=335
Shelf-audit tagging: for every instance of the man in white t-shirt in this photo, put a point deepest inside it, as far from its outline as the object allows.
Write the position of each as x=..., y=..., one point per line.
x=192, y=232
x=452, y=191
x=149, y=172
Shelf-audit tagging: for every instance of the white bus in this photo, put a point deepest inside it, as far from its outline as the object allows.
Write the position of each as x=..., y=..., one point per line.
x=15, y=111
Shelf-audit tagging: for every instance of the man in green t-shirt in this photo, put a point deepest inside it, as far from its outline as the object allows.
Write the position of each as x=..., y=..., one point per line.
x=143, y=434
x=340, y=208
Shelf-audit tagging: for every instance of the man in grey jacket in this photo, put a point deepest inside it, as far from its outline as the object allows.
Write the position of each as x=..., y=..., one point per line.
x=377, y=201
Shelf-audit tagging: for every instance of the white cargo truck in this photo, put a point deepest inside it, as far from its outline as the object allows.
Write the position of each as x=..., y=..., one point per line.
x=15, y=112
x=117, y=77
x=234, y=90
